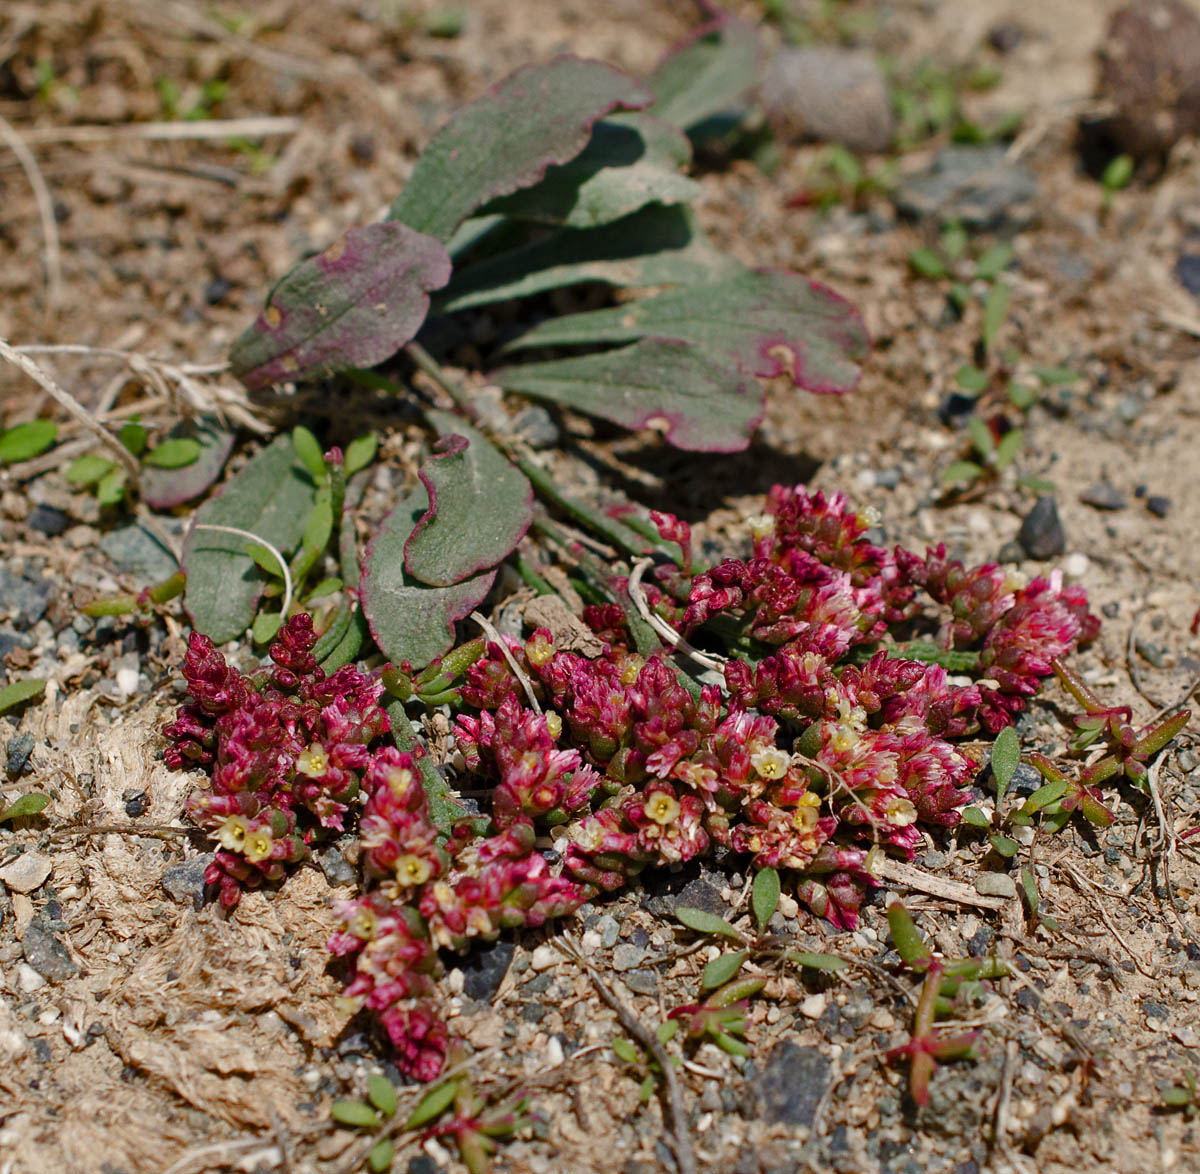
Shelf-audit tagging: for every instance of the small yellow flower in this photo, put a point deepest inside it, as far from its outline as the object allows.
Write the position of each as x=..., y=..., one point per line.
x=399, y=779
x=313, y=762
x=232, y=833
x=808, y=812
x=412, y=869
x=553, y=724
x=362, y=925
x=771, y=762
x=662, y=808
x=901, y=812
x=258, y=846
x=633, y=666
x=874, y=861
x=539, y=651
x=761, y=526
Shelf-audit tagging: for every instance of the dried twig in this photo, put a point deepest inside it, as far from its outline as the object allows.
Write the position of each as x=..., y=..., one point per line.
x=490, y=632
x=676, y=1112
x=936, y=886
x=67, y=401
x=45, y=207
x=211, y=128
x=660, y=626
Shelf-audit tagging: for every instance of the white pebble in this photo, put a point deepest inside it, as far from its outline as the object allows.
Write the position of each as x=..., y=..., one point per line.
x=814, y=1006
x=543, y=958
x=28, y=979
x=1076, y=566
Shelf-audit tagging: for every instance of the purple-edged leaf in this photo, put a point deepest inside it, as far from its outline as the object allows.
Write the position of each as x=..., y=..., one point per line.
x=658, y=245
x=768, y=323
x=630, y=161
x=538, y=117
x=164, y=489
x=409, y=620
x=699, y=400
x=706, y=73
x=353, y=305
x=480, y=507
x=272, y=498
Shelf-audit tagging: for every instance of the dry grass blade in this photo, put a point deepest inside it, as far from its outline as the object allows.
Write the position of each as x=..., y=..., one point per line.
x=45, y=207
x=936, y=886
x=258, y=127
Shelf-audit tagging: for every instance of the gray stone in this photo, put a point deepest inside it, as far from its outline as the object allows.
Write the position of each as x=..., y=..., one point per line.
x=135, y=552
x=18, y=749
x=701, y=894
x=534, y=425
x=609, y=931
x=47, y=955
x=185, y=881
x=1042, y=535
x=995, y=884
x=977, y=186
x=1104, y=496
x=27, y=872
x=337, y=870
x=484, y=970
x=626, y=956
x=47, y=520
x=829, y=93
x=791, y=1085
x=641, y=982
x=25, y=599
x=1158, y=505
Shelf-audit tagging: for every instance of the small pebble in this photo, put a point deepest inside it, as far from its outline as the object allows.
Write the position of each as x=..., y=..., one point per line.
x=185, y=881
x=543, y=958
x=626, y=956
x=1042, y=535
x=1158, y=505
x=28, y=979
x=609, y=931
x=641, y=982
x=47, y=955
x=1104, y=496
x=995, y=884
x=814, y=1006
x=136, y=803
x=1076, y=566
x=48, y=520
x=18, y=749
x=28, y=872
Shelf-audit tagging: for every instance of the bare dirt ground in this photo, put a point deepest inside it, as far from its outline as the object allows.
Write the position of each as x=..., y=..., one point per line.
x=175, y=1039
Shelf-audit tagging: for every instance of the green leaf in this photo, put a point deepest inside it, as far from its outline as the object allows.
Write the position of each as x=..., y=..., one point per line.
x=994, y=261
x=172, y=454
x=953, y=241
x=767, y=322
x=444, y=805
x=707, y=73
x=111, y=487
x=764, y=897
x=1051, y=792
x=360, y=452
x=995, y=309
x=408, y=619
x=658, y=245
x=31, y=803
x=972, y=379
x=721, y=969
x=1055, y=376
x=1009, y=446
x=381, y=1155
x=694, y=397
x=382, y=1094
x=925, y=262
x=88, y=469
x=1021, y=396
x=24, y=441
x=480, y=507
x=1118, y=173
x=1029, y=887
x=354, y=1113
x=309, y=451
x=1004, y=846
x=432, y=1105
x=538, y=117
x=266, y=626
x=271, y=497
x=826, y=962
x=976, y=818
x=353, y=305
x=706, y=923
x=164, y=489
x=1036, y=484
x=631, y=161
x=981, y=435
x=625, y=1051
x=133, y=436
x=1006, y=757
x=961, y=471
x=264, y=559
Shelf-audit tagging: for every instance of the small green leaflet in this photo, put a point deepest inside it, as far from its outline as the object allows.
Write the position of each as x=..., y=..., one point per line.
x=721, y=969
x=708, y=923
x=19, y=692
x=1006, y=757
x=764, y=897
x=23, y=441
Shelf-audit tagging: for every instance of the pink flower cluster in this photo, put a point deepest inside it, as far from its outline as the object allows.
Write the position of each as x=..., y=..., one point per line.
x=823, y=751
x=284, y=749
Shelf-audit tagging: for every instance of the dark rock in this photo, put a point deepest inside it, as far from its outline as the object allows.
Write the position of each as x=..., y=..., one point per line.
x=1027, y=998
x=534, y=1012
x=1010, y=552
x=1005, y=37
x=337, y=869
x=1187, y=273
x=980, y=942
x=41, y=1049
x=135, y=802
x=47, y=955
x=1111, y=610
x=977, y=186
x=791, y=1085
x=955, y=410
x=1158, y=505
x=1153, y=1010
x=831, y=94
x=484, y=970
x=1148, y=74
x=45, y=519
x=1041, y=535
x=185, y=881
x=1104, y=496
x=217, y=290
x=25, y=599
x=700, y=894
x=641, y=982
x=423, y=1164
x=1025, y=780
x=18, y=749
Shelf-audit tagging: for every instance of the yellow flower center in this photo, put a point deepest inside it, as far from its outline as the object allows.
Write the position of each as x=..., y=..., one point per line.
x=808, y=811
x=232, y=834
x=771, y=763
x=362, y=925
x=553, y=724
x=539, y=651
x=258, y=846
x=313, y=762
x=399, y=779
x=663, y=809
x=412, y=869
